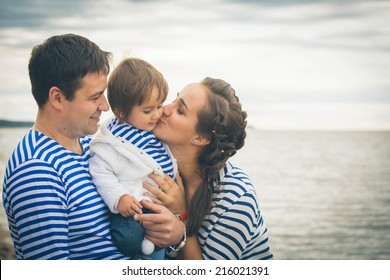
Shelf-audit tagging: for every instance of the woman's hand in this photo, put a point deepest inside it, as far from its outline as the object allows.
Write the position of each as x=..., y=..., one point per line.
x=162, y=228
x=171, y=194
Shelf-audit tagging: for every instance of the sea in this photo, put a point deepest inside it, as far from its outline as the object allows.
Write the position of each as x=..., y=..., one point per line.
x=324, y=195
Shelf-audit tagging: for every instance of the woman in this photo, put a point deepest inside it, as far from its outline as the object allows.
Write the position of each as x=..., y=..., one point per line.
x=204, y=127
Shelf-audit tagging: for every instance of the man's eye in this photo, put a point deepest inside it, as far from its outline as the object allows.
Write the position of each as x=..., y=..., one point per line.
x=96, y=97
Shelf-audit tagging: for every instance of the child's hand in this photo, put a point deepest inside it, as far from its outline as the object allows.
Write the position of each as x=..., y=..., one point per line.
x=128, y=206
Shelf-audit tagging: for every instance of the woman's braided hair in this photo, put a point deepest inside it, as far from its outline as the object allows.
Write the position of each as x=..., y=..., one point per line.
x=223, y=122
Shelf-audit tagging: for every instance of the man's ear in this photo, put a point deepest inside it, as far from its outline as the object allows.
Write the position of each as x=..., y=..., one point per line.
x=56, y=98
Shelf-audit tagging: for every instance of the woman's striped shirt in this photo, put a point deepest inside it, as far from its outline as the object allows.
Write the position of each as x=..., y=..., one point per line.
x=235, y=228
x=144, y=140
x=52, y=206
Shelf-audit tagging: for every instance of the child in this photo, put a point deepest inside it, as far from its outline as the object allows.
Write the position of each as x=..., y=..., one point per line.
x=125, y=151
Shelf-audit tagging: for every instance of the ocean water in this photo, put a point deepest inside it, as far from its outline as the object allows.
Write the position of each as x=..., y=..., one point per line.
x=323, y=194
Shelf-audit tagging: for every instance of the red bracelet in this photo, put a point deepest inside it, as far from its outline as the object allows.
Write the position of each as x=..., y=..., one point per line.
x=183, y=216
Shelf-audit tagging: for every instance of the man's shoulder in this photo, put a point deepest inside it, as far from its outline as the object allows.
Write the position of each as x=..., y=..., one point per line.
x=27, y=152
x=36, y=149
x=26, y=148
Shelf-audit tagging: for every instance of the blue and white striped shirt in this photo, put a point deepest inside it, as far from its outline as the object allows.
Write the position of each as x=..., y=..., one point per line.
x=235, y=228
x=144, y=140
x=52, y=206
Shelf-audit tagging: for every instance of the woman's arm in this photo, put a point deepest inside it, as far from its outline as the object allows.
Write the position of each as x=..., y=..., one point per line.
x=191, y=251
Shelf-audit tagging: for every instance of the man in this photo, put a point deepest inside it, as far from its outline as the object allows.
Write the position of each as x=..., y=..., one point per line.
x=53, y=209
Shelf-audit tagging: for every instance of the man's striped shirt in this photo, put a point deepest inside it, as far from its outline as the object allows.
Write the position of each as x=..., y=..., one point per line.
x=52, y=206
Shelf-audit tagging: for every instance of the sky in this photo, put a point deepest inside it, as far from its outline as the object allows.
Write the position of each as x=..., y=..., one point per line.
x=294, y=64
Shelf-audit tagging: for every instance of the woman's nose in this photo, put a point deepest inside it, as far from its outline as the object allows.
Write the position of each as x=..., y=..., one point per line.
x=167, y=109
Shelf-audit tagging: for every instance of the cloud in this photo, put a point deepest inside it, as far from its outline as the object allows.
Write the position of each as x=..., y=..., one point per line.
x=33, y=14
x=305, y=52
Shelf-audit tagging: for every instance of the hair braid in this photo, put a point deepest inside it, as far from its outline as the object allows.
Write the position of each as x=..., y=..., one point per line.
x=223, y=122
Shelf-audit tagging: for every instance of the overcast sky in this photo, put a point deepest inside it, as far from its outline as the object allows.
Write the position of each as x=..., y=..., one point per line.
x=294, y=64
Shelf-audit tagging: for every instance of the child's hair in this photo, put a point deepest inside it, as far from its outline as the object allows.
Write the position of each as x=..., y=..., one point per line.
x=131, y=84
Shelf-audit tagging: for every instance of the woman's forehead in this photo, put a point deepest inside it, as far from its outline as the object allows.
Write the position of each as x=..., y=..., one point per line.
x=194, y=95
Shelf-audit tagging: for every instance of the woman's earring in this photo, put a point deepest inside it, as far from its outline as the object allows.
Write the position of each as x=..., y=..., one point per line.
x=193, y=141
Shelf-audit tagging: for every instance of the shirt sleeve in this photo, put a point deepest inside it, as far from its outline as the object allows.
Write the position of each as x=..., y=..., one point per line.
x=236, y=229
x=38, y=220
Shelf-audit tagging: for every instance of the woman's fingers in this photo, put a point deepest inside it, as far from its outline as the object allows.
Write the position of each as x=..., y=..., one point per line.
x=162, y=182
x=153, y=198
x=155, y=194
x=170, y=194
x=152, y=189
